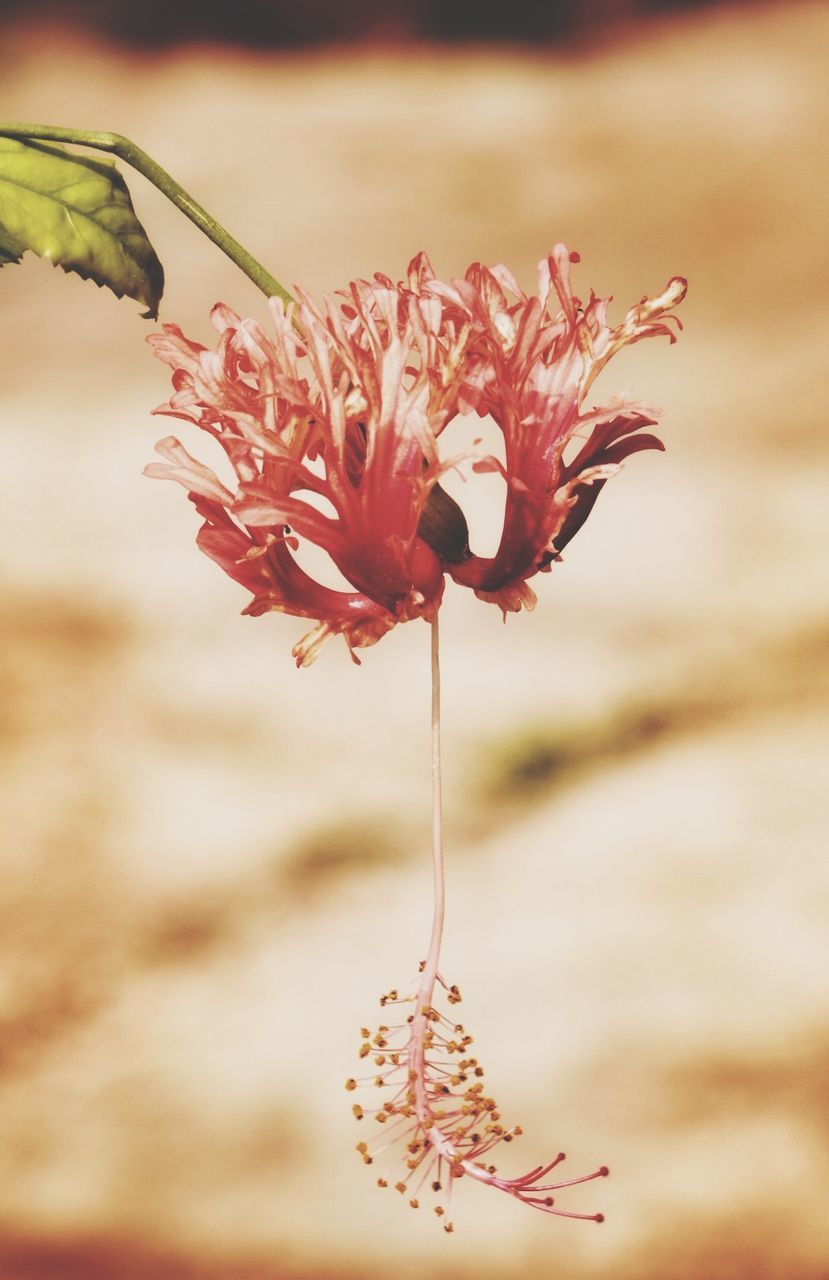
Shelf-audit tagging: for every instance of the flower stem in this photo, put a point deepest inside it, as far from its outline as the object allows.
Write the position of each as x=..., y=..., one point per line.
x=144, y=164
x=430, y=972
x=423, y=1000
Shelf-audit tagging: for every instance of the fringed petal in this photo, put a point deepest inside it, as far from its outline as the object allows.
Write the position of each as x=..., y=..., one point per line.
x=346, y=400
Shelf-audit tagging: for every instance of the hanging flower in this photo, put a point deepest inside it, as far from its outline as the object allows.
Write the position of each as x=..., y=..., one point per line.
x=330, y=426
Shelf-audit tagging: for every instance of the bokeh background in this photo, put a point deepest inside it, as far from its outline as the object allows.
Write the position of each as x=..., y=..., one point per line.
x=212, y=863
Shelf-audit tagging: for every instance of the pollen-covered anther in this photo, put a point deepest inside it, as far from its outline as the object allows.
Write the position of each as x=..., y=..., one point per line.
x=351, y=1084
x=442, y=1121
x=357, y=1111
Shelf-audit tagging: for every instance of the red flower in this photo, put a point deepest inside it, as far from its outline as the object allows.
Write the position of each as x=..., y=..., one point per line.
x=341, y=409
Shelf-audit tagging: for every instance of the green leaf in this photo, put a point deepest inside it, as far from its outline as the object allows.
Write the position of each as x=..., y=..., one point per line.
x=76, y=212
x=11, y=250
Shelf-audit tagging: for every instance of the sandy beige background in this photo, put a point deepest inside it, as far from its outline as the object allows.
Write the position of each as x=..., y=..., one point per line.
x=212, y=864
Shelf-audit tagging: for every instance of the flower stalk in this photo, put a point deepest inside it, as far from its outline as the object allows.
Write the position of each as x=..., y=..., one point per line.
x=126, y=150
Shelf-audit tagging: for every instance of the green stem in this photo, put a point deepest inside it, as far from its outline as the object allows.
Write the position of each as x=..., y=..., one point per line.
x=153, y=172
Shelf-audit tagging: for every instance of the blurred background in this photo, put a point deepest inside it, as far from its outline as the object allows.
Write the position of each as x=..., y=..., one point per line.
x=212, y=864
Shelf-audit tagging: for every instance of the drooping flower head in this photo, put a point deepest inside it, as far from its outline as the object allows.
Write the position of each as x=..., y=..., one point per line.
x=330, y=425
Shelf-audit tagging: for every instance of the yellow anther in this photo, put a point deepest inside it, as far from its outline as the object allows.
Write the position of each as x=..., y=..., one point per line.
x=365, y=1033
x=415, y=1204
x=357, y=1111
x=439, y=1210
x=380, y=1059
x=351, y=1084
x=381, y=1182
x=365, y=1050
x=400, y=1186
x=362, y=1147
